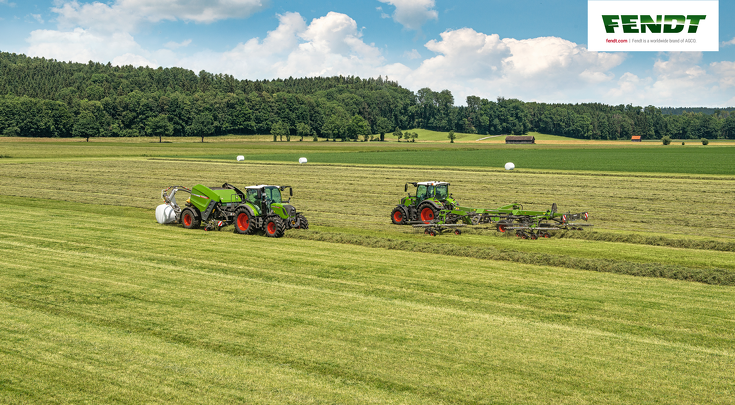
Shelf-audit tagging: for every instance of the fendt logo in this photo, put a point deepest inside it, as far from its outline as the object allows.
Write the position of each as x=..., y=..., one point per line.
x=652, y=25
x=635, y=24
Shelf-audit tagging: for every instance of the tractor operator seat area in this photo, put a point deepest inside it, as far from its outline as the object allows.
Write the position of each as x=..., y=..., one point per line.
x=273, y=194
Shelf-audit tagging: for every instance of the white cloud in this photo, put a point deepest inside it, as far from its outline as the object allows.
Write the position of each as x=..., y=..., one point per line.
x=37, y=17
x=132, y=59
x=680, y=79
x=80, y=45
x=175, y=45
x=725, y=73
x=127, y=15
x=473, y=63
x=730, y=42
x=382, y=13
x=412, y=14
x=329, y=45
x=413, y=54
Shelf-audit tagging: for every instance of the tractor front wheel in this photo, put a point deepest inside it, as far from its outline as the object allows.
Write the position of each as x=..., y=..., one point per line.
x=427, y=213
x=190, y=219
x=274, y=227
x=243, y=222
x=398, y=216
x=303, y=223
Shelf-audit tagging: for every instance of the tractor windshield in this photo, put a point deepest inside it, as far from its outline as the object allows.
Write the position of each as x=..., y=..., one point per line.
x=442, y=192
x=273, y=194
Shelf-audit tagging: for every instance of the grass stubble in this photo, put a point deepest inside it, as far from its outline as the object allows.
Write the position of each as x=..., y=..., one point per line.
x=101, y=304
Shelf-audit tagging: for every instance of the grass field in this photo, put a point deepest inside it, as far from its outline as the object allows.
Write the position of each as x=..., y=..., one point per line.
x=101, y=304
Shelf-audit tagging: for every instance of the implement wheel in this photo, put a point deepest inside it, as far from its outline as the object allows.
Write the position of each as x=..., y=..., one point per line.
x=399, y=216
x=274, y=227
x=243, y=221
x=427, y=213
x=190, y=219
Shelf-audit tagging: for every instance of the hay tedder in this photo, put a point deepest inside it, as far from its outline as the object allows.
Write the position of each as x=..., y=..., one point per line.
x=257, y=209
x=436, y=211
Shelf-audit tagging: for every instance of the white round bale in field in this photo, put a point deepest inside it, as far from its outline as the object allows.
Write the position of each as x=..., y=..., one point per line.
x=240, y=158
x=302, y=160
x=510, y=166
x=165, y=214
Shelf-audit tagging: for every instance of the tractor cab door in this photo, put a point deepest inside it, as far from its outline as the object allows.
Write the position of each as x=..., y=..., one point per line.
x=430, y=191
x=421, y=193
x=442, y=192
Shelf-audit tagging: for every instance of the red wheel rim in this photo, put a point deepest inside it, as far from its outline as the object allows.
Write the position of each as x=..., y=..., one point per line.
x=187, y=219
x=501, y=228
x=271, y=228
x=243, y=221
x=427, y=214
x=398, y=216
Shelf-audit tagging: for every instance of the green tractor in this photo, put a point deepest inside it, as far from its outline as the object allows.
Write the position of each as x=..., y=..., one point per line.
x=258, y=208
x=431, y=198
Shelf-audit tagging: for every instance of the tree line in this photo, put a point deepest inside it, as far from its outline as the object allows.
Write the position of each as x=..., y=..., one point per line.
x=47, y=98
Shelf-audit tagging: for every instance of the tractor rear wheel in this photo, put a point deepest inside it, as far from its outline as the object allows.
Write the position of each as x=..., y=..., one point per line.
x=243, y=221
x=190, y=219
x=427, y=213
x=274, y=227
x=303, y=223
x=399, y=216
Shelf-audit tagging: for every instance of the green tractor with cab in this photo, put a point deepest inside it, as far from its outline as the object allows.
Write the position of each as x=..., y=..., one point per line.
x=256, y=209
x=431, y=198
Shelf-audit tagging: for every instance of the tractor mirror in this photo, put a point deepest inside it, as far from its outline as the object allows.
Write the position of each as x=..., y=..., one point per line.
x=405, y=187
x=290, y=191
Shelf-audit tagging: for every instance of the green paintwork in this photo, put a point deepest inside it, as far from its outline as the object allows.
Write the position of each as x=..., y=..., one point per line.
x=202, y=195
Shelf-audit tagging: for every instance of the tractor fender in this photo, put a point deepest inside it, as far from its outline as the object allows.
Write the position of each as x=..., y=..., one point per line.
x=436, y=206
x=248, y=208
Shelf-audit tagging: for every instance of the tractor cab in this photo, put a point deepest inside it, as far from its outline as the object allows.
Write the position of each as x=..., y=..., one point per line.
x=431, y=199
x=268, y=199
x=427, y=190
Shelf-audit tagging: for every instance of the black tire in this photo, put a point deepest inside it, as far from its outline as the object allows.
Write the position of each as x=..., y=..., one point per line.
x=427, y=213
x=244, y=221
x=190, y=219
x=274, y=227
x=302, y=221
x=399, y=215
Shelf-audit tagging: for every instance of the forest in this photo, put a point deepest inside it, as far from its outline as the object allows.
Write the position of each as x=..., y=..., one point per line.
x=47, y=98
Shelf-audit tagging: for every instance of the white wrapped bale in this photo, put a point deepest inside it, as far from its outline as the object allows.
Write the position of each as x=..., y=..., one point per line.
x=510, y=166
x=165, y=214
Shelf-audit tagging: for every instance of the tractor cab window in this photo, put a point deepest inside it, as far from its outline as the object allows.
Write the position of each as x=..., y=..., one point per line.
x=430, y=192
x=421, y=192
x=442, y=192
x=252, y=196
x=273, y=194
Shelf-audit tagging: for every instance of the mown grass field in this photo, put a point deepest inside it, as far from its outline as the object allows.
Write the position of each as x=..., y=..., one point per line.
x=101, y=304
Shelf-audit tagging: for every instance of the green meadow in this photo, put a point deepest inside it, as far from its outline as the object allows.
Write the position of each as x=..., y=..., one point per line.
x=101, y=304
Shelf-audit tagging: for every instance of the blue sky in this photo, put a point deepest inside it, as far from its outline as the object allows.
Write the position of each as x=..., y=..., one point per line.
x=533, y=50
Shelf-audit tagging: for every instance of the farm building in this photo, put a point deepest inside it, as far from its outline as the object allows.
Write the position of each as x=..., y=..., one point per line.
x=636, y=138
x=520, y=139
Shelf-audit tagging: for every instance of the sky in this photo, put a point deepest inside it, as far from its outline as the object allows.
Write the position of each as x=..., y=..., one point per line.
x=527, y=49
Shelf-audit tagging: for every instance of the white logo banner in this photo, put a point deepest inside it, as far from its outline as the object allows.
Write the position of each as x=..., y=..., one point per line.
x=653, y=26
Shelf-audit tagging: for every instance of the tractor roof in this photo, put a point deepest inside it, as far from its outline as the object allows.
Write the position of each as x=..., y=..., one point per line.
x=261, y=186
x=433, y=183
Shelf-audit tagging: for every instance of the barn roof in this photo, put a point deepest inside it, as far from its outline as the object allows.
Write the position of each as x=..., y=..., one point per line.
x=520, y=138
